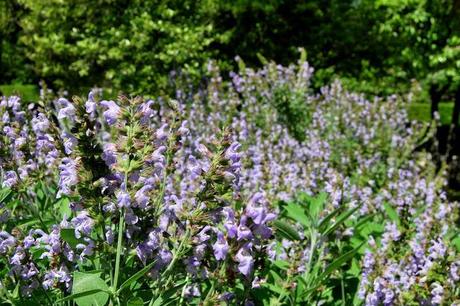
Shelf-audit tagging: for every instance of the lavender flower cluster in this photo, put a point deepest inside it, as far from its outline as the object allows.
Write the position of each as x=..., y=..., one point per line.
x=192, y=183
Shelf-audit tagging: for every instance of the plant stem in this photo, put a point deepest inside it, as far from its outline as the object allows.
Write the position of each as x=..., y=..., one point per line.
x=119, y=249
x=121, y=226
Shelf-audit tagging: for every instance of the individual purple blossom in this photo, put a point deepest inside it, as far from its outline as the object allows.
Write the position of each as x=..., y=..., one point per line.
x=192, y=291
x=18, y=256
x=109, y=154
x=57, y=276
x=245, y=260
x=194, y=167
x=232, y=152
x=454, y=271
x=83, y=224
x=67, y=176
x=221, y=247
x=112, y=112
x=257, y=211
x=437, y=294
x=229, y=222
x=183, y=130
x=67, y=110
x=130, y=217
x=69, y=141
x=109, y=235
x=90, y=104
x=11, y=179
x=141, y=196
x=162, y=133
x=123, y=199
x=51, y=242
x=146, y=111
x=29, y=240
x=243, y=231
x=85, y=249
x=40, y=124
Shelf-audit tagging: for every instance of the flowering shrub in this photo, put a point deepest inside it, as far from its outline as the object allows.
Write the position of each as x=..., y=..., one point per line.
x=252, y=191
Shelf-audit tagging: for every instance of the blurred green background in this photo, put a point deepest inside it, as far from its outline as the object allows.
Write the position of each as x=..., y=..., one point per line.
x=377, y=47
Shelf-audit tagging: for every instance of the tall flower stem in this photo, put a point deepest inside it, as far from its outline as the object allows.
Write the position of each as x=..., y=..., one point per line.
x=121, y=226
x=119, y=249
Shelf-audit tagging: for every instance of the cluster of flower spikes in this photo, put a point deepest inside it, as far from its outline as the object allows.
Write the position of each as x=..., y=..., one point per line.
x=135, y=173
x=360, y=152
x=415, y=261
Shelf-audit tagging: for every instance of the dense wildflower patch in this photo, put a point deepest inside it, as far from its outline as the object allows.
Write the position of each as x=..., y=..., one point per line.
x=253, y=190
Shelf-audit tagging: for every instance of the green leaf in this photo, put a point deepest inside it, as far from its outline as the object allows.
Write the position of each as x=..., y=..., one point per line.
x=79, y=296
x=136, y=276
x=286, y=230
x=169, y=296
x=93, y=290
x=282, y=264
x=68, y=235
x=136, y=301
x=339, y=262
x=64, y=207
x=262, y=58
x=324, y=224
x=316, y=204
x=391, y=212
x=296, y=213
x=456, y=243
x=5, y=195
x=276, y=289
x=158, y=301
x=342, y=218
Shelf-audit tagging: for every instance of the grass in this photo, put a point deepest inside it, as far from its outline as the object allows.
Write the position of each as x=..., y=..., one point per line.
x=422, y=112
x=27, y=92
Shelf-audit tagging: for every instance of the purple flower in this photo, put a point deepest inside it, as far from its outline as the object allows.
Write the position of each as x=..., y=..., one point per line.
x=143, y=252
x=67, y=110
x=130, y=217
x=109, y=155
x=40, y=124
x=146, y=111
x=220, y=247
x=183, y=130
x=141, y=196
x=245, y=260
x=194, y=167
x=244, y=232
x=123, y=199
x=83, y=224
x=11, y=179
x=112, y=111
x=86, y=249
x=232, y=152
x=437, y=294
x=70, y=142
x=109, y=236
x=90, y=105
x=67, y=176
x=161, y=134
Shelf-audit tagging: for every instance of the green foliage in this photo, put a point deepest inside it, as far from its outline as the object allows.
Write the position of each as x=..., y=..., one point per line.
x=134, y=45
x=375, y=47
x=26, y=92
x=89, y=289
x=318, y=228
x=422, y=112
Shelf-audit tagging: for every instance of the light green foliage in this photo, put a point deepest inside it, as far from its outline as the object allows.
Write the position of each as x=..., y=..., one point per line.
x=326, y=260
x=27, y=92
x=131, y=45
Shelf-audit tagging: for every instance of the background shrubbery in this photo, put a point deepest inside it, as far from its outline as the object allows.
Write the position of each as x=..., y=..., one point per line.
x=376, y=47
